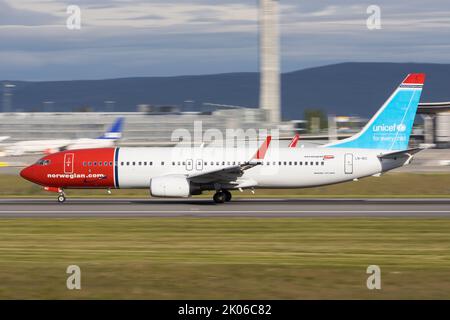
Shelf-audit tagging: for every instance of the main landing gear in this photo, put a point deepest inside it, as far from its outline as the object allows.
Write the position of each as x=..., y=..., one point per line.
x=222, y=196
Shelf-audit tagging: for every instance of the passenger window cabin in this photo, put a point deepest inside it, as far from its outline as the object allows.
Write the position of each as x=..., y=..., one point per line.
x=183, y=163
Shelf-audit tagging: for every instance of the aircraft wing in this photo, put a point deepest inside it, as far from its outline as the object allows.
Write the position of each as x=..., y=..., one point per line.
x=231, y=174
x=222, y=175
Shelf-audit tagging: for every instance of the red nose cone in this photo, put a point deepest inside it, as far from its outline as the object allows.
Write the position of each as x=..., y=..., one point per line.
x=27, y=173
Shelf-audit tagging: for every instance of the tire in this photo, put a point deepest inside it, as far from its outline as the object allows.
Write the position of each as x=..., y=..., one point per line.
x=228, y=195
x=61, y=198
x=219, y=197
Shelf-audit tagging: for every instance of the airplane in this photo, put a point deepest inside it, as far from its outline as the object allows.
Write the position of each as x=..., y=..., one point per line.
x=380, y=146
x=108, y=139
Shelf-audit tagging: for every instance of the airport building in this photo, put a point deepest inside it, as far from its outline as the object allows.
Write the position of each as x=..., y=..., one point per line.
x=436, y=123
x=161, y=126
x=141, y=128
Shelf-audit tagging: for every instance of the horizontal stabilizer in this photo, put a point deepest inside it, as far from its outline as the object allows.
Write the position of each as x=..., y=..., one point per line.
x=399, y=154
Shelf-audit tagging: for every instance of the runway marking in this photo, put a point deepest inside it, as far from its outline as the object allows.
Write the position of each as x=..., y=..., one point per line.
x=237, y=200
x=204, y=208
x=222, y=211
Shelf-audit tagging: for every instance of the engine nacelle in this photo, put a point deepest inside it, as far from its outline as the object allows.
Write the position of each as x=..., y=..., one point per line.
x=170, y=186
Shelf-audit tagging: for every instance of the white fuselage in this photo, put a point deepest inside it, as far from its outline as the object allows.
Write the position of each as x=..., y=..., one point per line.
x=281, y=167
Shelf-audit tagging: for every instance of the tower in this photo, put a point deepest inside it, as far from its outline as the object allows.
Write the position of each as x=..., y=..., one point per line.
x=269, y=99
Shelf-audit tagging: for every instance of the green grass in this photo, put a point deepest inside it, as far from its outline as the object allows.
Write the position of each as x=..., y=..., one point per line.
x=392, y=184
x=216, y=258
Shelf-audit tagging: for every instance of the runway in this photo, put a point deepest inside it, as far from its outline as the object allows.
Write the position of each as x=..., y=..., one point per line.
x=251, y=207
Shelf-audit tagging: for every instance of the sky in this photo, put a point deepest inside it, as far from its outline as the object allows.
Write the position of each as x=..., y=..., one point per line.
x=128, y=38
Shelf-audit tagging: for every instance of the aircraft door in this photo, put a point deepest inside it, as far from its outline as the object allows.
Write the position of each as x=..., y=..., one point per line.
x=348, y=163
x=68, y=162
x=199, y=165
x=189, y=165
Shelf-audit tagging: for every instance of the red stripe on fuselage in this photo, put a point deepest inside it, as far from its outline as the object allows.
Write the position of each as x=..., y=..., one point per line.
x=92, y=168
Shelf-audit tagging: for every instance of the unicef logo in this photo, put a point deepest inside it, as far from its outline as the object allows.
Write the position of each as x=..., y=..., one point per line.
x=401, y=127
x=389, y=128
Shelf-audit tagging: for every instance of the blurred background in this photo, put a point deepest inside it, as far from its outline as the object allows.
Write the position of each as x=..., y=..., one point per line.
x=69, y=73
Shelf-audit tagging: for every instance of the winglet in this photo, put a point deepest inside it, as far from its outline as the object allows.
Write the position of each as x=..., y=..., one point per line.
x=259, y=155
x=294, y=141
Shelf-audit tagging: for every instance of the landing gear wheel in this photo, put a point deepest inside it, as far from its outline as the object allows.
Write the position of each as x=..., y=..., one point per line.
x=61, y=198
x=227, y=195
x=219, y=197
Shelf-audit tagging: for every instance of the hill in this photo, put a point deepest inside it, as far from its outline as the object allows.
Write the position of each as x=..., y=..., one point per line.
x=342, y=89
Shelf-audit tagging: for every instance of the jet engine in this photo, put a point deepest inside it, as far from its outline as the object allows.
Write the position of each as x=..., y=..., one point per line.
x=170, y=186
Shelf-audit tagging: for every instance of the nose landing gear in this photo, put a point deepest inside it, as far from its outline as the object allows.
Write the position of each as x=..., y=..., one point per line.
x=60, y=191
x=222, y=196
x=61, y=198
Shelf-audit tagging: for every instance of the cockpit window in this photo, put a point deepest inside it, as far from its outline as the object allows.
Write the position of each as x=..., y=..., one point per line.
x=43, y=162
